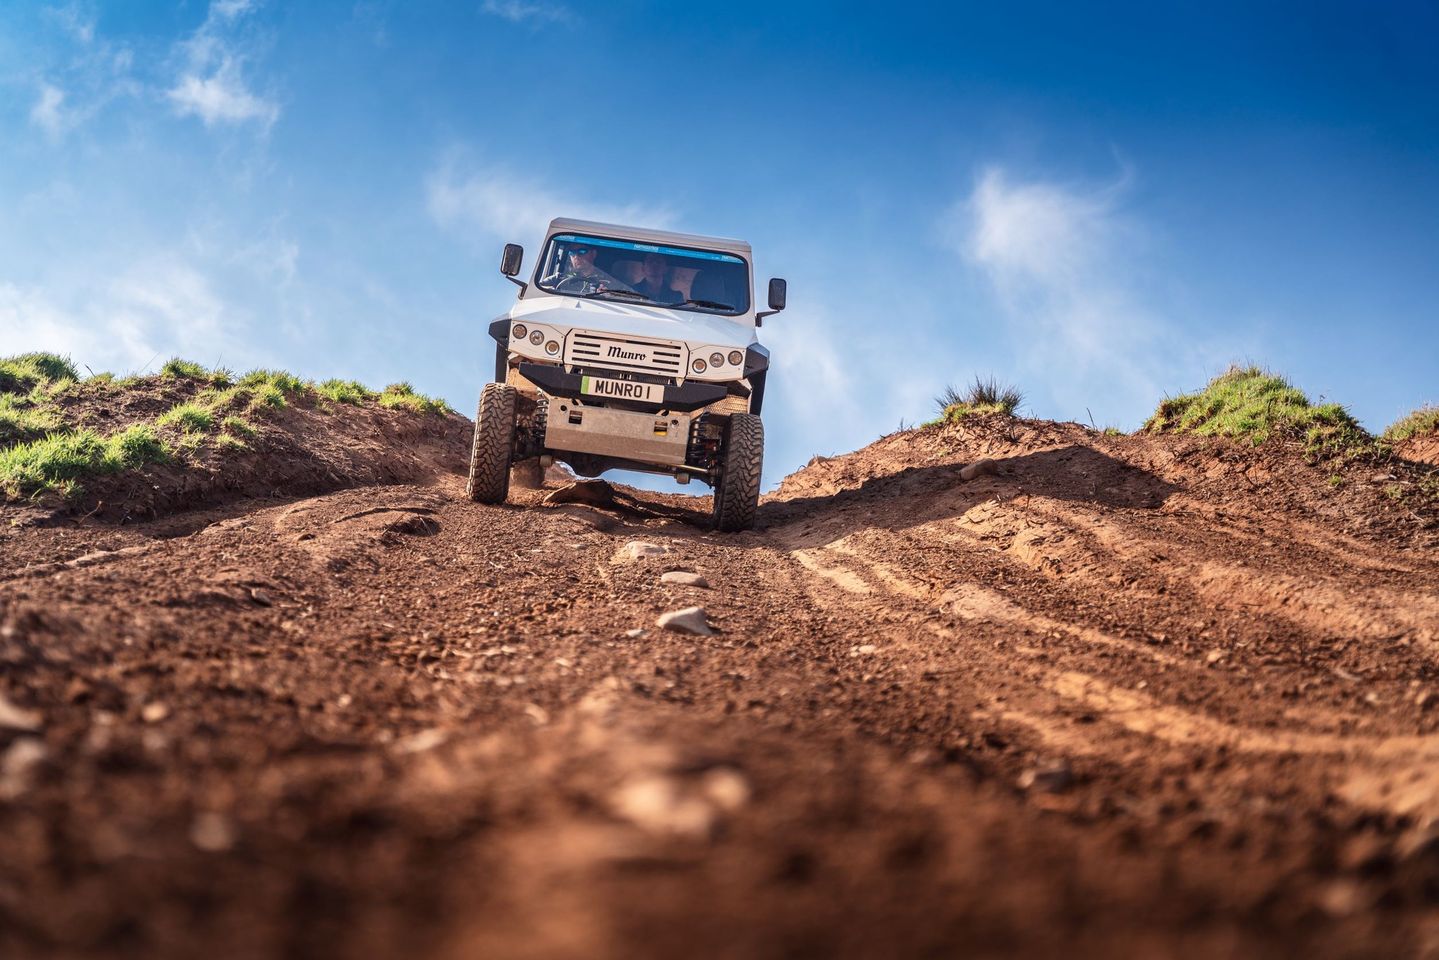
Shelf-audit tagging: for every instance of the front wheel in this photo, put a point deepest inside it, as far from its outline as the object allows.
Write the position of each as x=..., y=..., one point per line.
x=737, y=489
x=494, y=445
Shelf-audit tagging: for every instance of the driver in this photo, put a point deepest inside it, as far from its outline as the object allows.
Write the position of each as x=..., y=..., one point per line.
x=581, y=275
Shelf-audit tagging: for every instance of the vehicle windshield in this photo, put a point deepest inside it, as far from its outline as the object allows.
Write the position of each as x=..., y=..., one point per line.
x=634, y=272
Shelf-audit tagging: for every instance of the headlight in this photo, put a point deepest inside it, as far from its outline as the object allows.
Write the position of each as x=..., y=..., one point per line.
x=698, y=365
x=519, y=331
x=736, y=358
x=716, y=359
x=536, y=337
x=552, y=348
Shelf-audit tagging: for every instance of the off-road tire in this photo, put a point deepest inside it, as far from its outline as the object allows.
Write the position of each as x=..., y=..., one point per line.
x=737, y=489
x=494, y=445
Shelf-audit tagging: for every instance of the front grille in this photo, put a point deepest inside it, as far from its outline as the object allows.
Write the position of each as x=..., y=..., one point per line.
x=625, y=353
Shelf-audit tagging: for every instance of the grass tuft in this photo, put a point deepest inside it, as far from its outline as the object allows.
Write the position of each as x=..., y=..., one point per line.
x=346, y=391
x=25, y=372
x=60, y=460
x=984, y=395
x=403, y=396
x=175, y=367
x=1423, y=422
x=189, y=417
x=1249, y=403
x=237, y=426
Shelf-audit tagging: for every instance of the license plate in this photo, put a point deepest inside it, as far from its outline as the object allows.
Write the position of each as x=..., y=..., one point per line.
x=621, y=389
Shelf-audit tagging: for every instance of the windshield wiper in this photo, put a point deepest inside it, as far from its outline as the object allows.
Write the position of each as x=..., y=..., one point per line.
x=620, y=293
x=709, y=304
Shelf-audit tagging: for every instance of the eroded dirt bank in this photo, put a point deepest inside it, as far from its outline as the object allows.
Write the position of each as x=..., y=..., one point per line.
x=1120, y=697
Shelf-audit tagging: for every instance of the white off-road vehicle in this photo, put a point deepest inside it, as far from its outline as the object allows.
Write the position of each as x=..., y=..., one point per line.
x=629, y=349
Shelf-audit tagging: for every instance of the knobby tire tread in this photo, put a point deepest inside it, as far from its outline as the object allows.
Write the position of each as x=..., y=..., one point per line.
x=494, y=445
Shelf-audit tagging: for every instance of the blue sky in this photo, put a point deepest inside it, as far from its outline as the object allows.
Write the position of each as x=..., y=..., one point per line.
x=1100, y=204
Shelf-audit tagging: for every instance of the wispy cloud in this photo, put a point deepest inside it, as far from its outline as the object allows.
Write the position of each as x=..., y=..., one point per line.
x=49, y=112
x=211, y=83
x=1068, y=268
x=499, y=204
x=159, y=307
x=528, y=11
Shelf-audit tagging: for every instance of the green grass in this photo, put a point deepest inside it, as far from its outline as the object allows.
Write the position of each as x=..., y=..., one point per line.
x=984, y=395
x=346, y=391
x=402, y=396
x=20, y=422
x=60, y=460
x=237, y=426
x=25, y=372
x=189, y=417
x=175, y=367
x=1423, y=422
x=1249, y=403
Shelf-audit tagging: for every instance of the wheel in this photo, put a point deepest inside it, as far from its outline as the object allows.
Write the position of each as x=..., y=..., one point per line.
x=494, y=445
x=737, y=489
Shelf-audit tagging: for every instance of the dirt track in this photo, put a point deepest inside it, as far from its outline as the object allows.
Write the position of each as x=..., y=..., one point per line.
x=1123, y=697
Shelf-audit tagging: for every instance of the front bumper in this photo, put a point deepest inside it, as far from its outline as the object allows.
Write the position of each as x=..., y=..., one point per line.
x=690, y=395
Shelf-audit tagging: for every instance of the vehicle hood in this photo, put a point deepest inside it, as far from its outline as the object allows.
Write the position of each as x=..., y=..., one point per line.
x=605, y=316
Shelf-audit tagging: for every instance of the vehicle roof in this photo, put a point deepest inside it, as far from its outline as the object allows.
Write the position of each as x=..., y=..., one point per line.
x=646, y=235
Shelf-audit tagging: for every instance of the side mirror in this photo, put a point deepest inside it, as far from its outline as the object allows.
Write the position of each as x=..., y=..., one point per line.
x=776, y=294
x=776, y=301
x=514, y=254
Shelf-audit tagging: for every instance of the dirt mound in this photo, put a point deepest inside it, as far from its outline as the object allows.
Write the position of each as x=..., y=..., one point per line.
x=1420, y=449
x=297, y=444
x=1119, y=697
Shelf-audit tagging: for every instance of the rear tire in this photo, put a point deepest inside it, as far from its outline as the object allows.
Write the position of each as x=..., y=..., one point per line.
x=736, y=495
x=494, y=445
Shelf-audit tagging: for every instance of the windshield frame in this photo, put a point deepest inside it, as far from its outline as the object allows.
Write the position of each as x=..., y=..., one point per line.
x=642, y=247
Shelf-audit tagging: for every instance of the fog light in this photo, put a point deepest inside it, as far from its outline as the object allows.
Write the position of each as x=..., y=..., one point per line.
x=519, y=331
x=552, y=348
x=716, y=359
x=736, y=358
x=536, y=337
x=699, y=366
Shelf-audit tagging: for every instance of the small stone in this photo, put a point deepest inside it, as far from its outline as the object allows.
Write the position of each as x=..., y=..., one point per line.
x=260, y=597
x=18, y=718
x=1214, y=656
x=422, y=741
x=726, y=788
x=661, y=804
x=212, y=832
x=1053, y=776
x=635, y=633
x=17, y=764
x=863, y=650
x=638, y=549
x=154, y=712
x=1424, y=700
x=977, y=469
x=689, y=620
x=597, y=493
x=684, y=578
x=537, y=713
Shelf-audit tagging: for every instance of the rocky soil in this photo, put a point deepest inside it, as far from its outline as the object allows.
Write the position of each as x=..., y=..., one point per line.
x=1105, y=697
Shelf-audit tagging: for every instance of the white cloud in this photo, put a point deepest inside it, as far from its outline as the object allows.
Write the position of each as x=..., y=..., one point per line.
x=500, y=204
x=521, y=11
x=221, y=97
x=211, y=85
x=161, y=307
x=1069, y=270
x=49, y=111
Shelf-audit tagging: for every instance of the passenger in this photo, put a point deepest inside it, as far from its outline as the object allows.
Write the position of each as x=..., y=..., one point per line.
x=655, y=281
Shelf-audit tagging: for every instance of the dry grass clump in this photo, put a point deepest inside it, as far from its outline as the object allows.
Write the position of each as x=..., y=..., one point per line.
x=984, y=395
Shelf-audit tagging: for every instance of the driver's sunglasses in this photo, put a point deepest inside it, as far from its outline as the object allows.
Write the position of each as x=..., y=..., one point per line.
x=583, y=250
